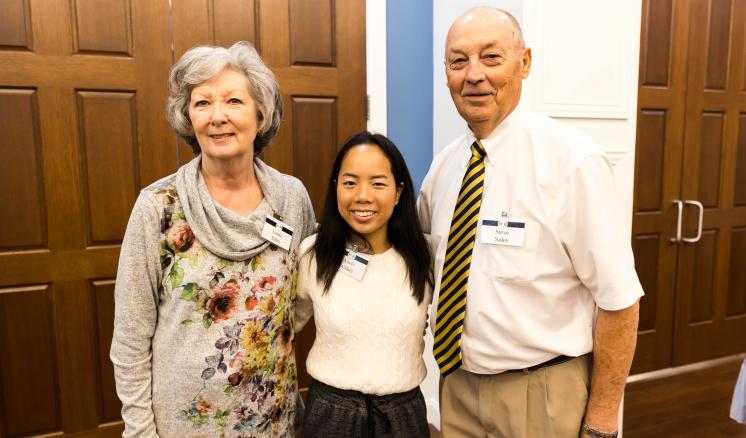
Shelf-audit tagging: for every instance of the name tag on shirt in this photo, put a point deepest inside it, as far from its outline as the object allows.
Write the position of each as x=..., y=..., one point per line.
x=503, y=231
x=277, y=232
x=354, y=265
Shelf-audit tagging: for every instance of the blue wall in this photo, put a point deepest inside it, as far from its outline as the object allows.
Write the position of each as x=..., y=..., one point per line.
x=409, y=94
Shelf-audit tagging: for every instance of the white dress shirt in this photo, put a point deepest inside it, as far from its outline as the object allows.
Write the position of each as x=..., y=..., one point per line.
x=527, y=304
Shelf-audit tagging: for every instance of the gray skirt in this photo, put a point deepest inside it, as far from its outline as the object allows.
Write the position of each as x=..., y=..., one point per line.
x=333, y=412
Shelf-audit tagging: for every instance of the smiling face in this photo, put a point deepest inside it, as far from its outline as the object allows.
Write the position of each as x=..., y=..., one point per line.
x=367, y=194
x=485, y=67
x=224, y=117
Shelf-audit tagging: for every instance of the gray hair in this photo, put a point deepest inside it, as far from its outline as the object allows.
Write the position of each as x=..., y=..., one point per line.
x=517, y=32
x=202, y=63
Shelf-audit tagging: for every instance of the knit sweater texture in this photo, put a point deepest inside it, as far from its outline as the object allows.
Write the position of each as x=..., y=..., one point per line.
x=369, y=333
x=203, y=333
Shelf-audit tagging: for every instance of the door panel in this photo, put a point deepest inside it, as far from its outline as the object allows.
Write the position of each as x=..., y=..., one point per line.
x=709, y=157
x=717, y=22
x=102, y=293
x=736, y=303
x=25, y=326
x=22, y=192
x=657, y=43
x=102, y=26
x=650, y=171
x=314, y=120
x=15, y=24
x=312, y=32
x=109, y=165
x=703, y=278
x=739, y=197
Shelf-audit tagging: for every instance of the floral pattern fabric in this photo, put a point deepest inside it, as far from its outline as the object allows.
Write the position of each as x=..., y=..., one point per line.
x=239, y=315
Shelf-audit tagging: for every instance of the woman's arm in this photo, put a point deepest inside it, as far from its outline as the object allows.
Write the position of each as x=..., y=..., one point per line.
x=306, y=281
x=309, y=217
x=135, y=317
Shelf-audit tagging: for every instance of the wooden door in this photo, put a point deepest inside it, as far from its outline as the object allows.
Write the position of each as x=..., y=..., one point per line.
x=316, y=48
x=81, y=104
x=710, y=317
x=691, y=145
x=660, y=139
x=82, y=92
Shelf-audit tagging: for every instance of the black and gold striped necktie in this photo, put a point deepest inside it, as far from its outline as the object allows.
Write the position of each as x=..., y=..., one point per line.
x=449, y=321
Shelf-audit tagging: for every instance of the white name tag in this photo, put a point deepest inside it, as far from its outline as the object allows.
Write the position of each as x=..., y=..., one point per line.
x=353, y=264
x=503, y=231
x=277, y=232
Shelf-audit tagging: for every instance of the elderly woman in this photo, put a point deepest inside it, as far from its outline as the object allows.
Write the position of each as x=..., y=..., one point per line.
x=203, y=338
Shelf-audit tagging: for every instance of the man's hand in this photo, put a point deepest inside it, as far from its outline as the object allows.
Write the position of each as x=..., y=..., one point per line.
x=614, y=343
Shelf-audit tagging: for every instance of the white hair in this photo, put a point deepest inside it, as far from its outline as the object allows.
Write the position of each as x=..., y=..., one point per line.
x=203, y=63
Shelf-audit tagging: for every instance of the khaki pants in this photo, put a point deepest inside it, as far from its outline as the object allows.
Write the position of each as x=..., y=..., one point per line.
x=547, y=403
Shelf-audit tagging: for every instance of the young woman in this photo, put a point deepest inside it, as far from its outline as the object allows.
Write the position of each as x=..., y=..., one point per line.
x=366, y=278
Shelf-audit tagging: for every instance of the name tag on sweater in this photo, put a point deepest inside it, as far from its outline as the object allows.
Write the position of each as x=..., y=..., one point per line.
x=277, y=232
x=503, y=231
x=354, y=265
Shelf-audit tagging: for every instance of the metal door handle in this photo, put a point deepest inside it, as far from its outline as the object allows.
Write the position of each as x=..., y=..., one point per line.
x=680, y=205
x=699, y=225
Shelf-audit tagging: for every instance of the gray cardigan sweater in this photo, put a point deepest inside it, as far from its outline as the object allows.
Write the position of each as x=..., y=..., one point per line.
x=203, y=310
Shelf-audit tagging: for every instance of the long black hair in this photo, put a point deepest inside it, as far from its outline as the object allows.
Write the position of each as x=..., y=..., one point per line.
x=403, y=228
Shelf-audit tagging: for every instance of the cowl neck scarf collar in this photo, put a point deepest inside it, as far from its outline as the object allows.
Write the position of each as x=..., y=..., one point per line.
x=223, y=232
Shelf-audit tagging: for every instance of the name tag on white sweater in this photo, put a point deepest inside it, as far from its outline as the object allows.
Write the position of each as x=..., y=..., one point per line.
x=354, y=265
x=277, y=232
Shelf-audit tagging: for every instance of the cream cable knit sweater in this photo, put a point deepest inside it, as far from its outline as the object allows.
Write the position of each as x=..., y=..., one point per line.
x=369, y=333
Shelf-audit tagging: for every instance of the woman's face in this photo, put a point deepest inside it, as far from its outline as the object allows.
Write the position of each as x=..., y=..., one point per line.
x=224, y=117
x=367, y=193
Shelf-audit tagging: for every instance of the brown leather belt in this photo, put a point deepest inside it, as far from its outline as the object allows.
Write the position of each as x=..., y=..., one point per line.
x=554, y=361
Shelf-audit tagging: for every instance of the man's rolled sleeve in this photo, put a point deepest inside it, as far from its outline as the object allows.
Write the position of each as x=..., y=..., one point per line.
x=595, y=237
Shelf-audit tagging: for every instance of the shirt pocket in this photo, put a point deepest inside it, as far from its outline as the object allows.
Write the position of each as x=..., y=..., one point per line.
x=512, y=263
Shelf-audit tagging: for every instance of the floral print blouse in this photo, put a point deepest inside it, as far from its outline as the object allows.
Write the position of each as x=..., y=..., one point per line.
x=221, y=359
x=246, y=383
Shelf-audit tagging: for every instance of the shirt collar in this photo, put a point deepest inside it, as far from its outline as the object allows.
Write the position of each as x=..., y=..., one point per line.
x=501, y=135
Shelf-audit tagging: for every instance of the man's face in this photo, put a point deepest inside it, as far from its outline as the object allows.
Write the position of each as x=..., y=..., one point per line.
x=485, y=67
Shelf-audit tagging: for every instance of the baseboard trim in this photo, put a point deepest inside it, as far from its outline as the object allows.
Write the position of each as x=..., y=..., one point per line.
x=667, y=372
x=433, y=412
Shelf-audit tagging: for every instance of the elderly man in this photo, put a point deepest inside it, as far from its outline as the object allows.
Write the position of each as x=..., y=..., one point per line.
x=536, y=284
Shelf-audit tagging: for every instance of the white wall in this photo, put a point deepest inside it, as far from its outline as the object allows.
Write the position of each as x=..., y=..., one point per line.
x=584, y=73
x=375, y=45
